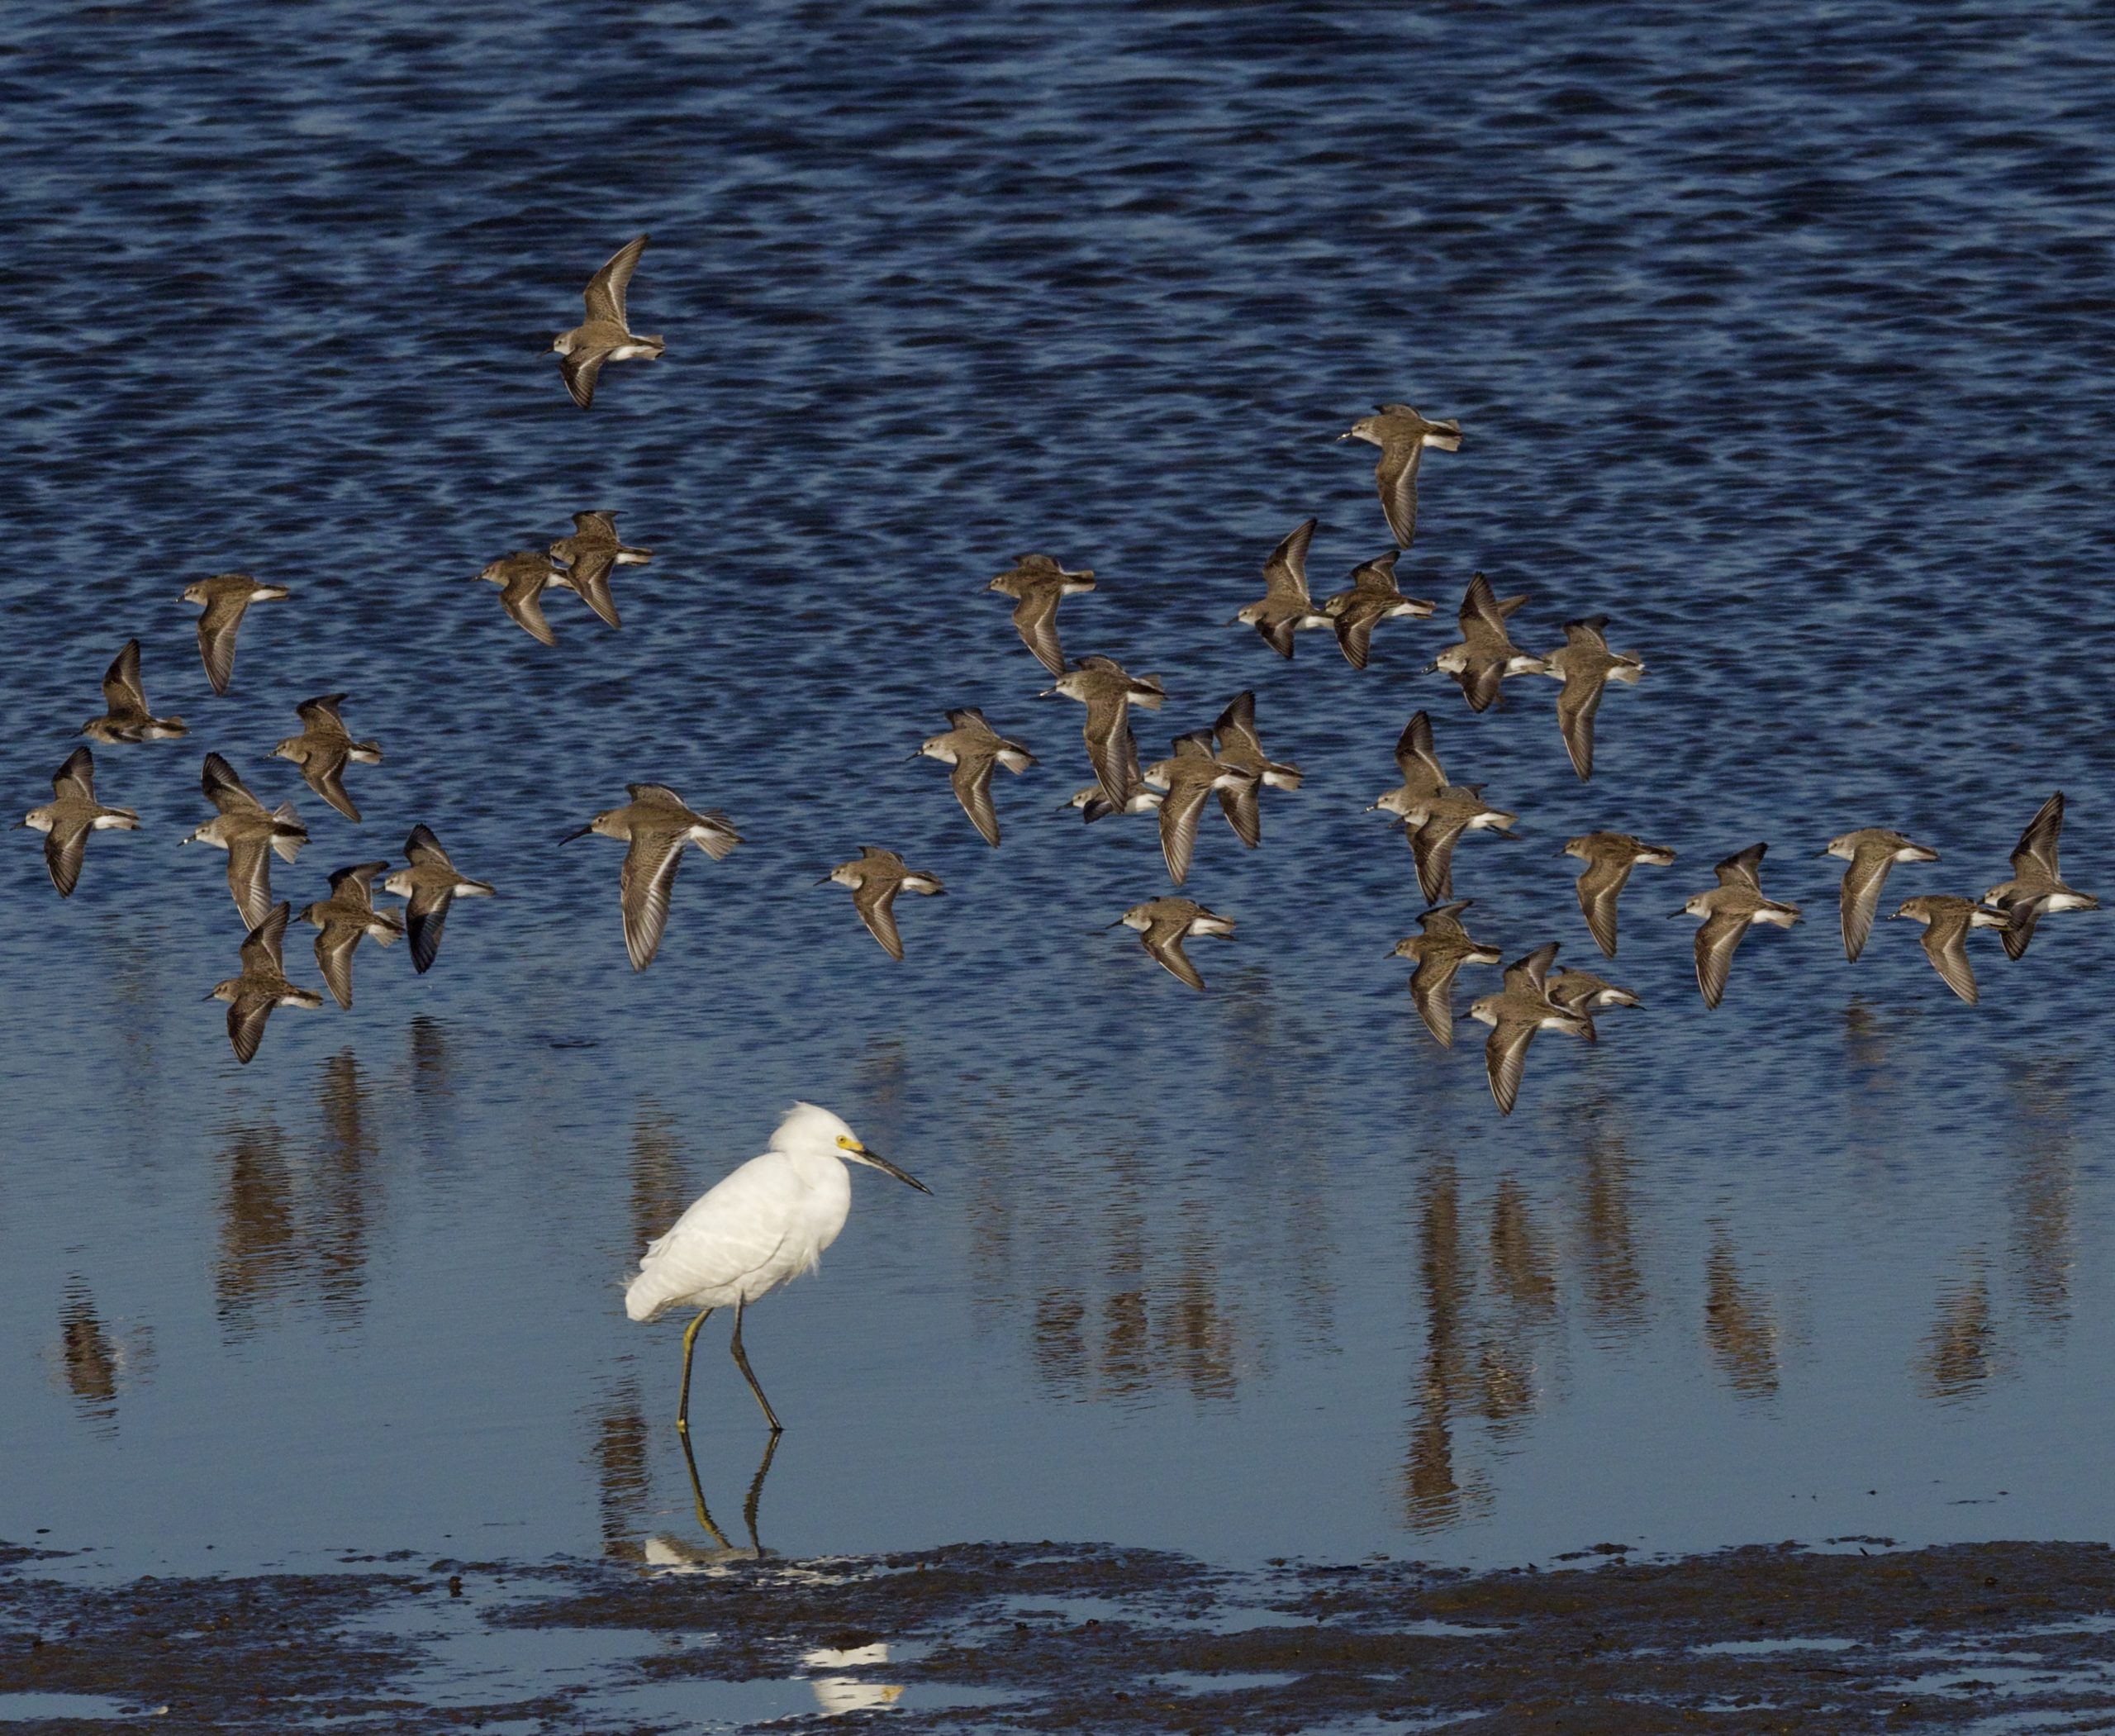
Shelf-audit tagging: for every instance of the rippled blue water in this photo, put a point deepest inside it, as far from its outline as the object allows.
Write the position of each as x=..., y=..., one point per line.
x=1781, y=334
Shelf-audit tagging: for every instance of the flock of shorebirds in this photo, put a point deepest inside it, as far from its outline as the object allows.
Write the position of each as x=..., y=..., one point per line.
x=1226, y=760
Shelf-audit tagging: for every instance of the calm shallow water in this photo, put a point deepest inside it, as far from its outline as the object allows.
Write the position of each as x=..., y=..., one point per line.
x=1781, y=339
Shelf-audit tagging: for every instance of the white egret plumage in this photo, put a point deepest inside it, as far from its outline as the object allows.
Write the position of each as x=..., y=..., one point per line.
x=768, y=1221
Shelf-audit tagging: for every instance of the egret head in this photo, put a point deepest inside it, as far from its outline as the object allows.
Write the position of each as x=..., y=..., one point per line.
x=811, y=1128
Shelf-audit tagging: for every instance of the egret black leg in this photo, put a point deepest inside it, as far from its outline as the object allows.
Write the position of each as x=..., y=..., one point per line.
x=742, y=1361
x=683, y=1400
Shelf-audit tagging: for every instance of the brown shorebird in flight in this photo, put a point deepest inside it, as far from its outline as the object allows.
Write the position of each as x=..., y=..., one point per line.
x=972, y=747
x=69, y=816
x=589, y=556
x=1585, y=665
x=1164, y=923
x=1729, y=909
x=1514, y=1014
x=126, y=715
x=1485, y=654
x=325, y=748
x=1947, y=922
x=1108, y=691
x=657, y=823
x=606, y=335
x=876, y=876
x=226, y=599
x=1609, y=856
x=262, y=985
x=1374, y=597
x=1038, y=584
x=1189, y=775
x=522, y=578
x=1402, y=434
x=1443, y=947
x=1284, y=608
x=347, y=917
x=1871, y=851
x=2036, y=886
x=250, y=835
x=429, y=883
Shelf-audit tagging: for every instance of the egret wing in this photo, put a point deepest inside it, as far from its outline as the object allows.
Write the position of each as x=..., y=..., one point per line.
x=756, y=1227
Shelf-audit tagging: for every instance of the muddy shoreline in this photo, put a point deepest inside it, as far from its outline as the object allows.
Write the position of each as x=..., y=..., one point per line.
x=1855, y=1636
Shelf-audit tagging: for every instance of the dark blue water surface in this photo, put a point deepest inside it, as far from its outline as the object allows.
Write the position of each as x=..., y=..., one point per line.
x=1781, y=334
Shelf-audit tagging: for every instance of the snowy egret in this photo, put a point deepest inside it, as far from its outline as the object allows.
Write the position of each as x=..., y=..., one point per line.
x=768, y=1221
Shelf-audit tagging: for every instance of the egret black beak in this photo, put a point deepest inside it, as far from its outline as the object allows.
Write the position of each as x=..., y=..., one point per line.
x=887, y=1168
x=582, y=833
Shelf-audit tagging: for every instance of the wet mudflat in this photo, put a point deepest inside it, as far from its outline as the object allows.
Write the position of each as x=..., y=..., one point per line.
x=1856, y=1636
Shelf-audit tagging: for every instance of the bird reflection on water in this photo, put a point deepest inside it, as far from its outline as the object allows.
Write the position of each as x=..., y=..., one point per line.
x=96, y=1362
x=2044, y=1134
x=1960, y=1349
x=1739, y=1324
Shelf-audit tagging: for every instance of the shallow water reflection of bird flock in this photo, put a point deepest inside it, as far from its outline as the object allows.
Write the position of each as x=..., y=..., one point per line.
x=1095, y=1275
